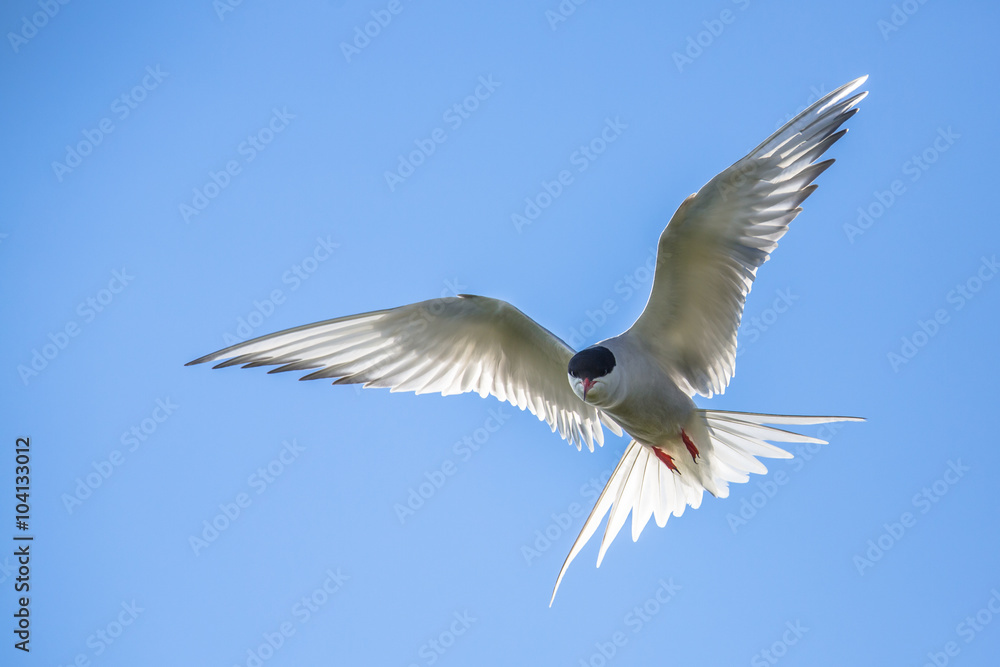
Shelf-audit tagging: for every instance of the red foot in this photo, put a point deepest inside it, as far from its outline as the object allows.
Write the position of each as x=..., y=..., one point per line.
x=666, y=458
x=692, y=450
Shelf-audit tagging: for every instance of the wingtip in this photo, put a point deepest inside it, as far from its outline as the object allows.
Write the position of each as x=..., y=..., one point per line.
x=199, y=360
x=853, y=85
x=215, y=356
x=842, y=93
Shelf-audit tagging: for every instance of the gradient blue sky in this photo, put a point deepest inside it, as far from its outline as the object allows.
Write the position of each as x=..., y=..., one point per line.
x=102, y=264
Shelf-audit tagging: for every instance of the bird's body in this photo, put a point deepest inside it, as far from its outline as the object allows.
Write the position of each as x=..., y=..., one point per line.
x=640, y=382
x=645, y=402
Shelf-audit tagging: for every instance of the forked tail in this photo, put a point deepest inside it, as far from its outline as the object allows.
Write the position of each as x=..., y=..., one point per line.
x=644, y=485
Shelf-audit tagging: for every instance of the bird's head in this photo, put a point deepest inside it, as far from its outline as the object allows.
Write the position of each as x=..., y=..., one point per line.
x=592, y=374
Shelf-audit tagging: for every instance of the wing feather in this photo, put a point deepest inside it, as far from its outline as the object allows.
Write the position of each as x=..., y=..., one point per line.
x=451, y=345
x=709, y=253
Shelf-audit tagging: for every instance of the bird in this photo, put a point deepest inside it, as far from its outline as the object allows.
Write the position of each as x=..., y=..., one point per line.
x=640, y=383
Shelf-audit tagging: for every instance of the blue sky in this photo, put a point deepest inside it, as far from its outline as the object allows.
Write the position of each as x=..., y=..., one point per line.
x=182, y=174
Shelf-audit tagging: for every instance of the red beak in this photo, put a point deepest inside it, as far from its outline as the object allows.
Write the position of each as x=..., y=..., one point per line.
x=587, y=384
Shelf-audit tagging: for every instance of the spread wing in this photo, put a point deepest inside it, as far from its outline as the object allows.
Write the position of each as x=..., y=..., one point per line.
x=451, y=345
x=710, y=251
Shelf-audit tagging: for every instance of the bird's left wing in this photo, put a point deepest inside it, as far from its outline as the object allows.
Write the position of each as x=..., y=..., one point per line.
x=450, y=345
x=710, y=251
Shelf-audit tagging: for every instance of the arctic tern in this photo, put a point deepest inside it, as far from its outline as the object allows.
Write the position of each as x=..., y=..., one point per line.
x=640, y=382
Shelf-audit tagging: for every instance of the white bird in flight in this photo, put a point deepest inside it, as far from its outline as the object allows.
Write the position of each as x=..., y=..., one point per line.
x=641, y=381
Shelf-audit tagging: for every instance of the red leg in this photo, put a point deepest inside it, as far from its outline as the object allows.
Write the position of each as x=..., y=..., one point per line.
x=666, y=458
x=692, y=450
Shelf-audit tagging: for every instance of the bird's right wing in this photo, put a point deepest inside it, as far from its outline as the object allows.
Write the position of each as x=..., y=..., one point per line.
x=710, y=251
x=451, y=345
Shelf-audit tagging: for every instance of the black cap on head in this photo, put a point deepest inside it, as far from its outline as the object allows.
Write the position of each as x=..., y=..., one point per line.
x=594, y=362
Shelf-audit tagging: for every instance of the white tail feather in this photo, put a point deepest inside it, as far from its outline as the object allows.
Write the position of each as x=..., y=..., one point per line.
x=643, y=485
